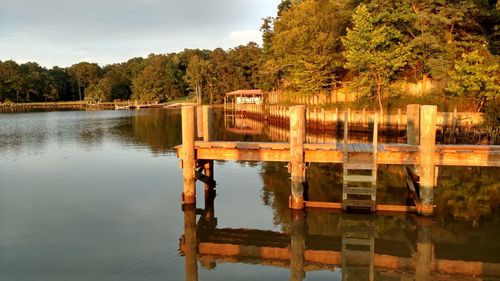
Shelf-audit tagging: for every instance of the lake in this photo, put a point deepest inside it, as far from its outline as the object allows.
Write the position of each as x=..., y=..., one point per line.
x=95, y=195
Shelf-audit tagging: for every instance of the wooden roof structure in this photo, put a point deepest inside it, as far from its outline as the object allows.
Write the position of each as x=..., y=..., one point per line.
x=250, y=93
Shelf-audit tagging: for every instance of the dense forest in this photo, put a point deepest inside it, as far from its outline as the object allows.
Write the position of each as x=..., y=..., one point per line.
x=309, y=47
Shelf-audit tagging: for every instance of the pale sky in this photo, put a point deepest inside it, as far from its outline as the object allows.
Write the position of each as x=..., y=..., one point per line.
x=64, y=32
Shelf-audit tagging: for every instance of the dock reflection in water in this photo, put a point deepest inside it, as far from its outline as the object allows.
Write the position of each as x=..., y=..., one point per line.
x=363, y=247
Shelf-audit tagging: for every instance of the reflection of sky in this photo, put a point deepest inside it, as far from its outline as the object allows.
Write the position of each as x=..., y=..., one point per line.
x=65, y=32
x=30, y=133
x=81, y=205
x=106, y=212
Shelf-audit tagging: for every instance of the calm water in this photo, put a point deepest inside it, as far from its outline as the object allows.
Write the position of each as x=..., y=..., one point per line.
x=95, y=195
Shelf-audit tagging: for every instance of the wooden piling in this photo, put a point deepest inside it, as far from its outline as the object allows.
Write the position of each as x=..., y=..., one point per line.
x=297, y=136
x=208, y=135
x=199, y=121
x=208, y=123
x=336, y=119
x=365, y=124
x=188, y=155
x=428, y=115
x=399, y=119
x=413, y=123
x=323, y=120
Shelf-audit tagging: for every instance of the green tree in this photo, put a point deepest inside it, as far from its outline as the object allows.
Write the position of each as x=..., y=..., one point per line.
x=36, y=83
x=246, y=63
x=84, y=75
x=306, y=44
x=10, y=80
x=473, y=77
x=373, y=53
x=62, y=83
x=115, y=84
x=220, y=78
x=160, y=80
x=196, y=76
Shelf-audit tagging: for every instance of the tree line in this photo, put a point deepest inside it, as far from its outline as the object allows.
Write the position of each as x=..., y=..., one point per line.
x=204, y=74
x=309, y=46
x=367, y=46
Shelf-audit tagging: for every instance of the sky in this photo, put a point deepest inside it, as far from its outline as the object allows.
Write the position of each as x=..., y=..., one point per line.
x=65, y=32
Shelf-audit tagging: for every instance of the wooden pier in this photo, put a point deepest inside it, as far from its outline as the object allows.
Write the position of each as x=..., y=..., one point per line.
x=421, y=154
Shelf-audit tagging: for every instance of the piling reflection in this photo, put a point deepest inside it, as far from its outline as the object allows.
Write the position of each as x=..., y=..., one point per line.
x=362, y=247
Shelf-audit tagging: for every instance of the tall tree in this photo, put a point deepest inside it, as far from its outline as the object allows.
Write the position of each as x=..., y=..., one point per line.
x=476, y=78
x=306, y=44
x=196, y=76
x=84, y=75
x=160, y=80
x=10, y=81
x=62, y=81
x=373, y=54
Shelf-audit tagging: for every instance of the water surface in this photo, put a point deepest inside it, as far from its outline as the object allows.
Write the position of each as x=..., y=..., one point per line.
x=95, y=195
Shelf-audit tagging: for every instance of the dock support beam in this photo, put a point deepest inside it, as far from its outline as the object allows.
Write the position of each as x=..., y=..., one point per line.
x=428, y=114
x=413, y=123
x=297, y=136
x=208, y=135
x=188, y=155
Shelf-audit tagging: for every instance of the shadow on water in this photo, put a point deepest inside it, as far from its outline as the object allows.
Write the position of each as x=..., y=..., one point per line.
x=356, y=246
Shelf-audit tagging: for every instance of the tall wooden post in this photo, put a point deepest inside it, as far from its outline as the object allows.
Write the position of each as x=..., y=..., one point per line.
x=298, y=246
x=413, y=123
x=428, y=114
x=208, y=132
x=399, y=119
x=208, y=123
x=363, y=117
x=190, y=242
x=297, y=136
x=188, y=155
x=199, y=121
x=337, y=120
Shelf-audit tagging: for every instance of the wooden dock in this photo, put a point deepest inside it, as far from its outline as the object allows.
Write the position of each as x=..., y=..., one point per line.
x=358, y=119
x=127, y=105
x=420, y=153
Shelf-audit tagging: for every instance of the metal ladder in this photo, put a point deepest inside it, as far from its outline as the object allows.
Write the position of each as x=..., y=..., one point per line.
x=359, y=189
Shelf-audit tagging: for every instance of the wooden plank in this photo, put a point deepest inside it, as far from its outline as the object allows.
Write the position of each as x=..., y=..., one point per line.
x=358, y=190
x=445, y=158
x=330, y=153
x=396, y=208
x=243, y=154
x=411, y=187
x=359, y=166
x=327, y=205
x=357, y=178
x=357, y=203
x=468, y=148
x=398, y=147
x=357, y=241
